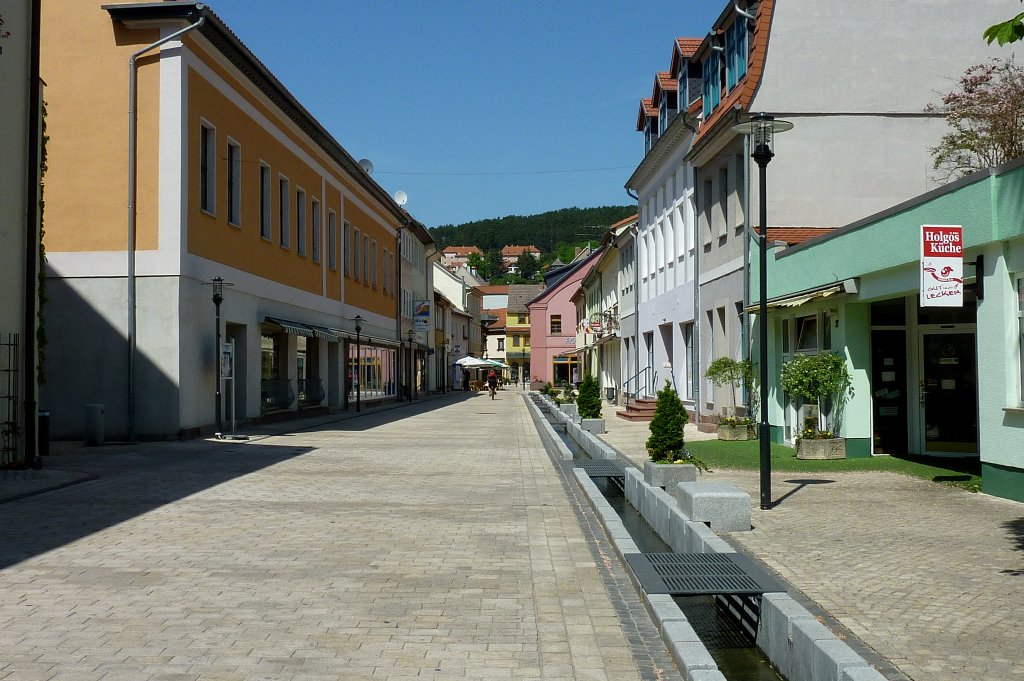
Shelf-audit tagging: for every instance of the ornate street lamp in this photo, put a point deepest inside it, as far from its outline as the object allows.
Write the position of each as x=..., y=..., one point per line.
x=218, y=285
x=359, y=358
x=761, y=129
x=522, y=368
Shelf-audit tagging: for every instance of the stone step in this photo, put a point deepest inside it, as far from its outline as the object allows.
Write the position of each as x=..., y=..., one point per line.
x=635, y=415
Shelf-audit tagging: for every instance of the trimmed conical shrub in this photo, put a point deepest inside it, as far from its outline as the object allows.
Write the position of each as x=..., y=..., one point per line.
x=666, y=442
x=589, y=400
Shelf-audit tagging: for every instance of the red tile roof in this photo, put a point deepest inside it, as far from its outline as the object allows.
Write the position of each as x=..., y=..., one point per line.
x=493, y=289
x=626, y=221
x=647, y=110
x=516, y=251
x=688, y=46
x=500, y=313
x=743, y=94
x=461, y=250
x=663, y=81
x=795, y=235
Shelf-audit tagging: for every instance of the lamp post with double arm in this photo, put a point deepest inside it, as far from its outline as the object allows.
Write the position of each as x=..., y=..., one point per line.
x=761, y=129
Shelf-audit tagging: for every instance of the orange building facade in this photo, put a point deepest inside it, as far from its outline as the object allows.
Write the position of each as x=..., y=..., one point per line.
x=233, y=178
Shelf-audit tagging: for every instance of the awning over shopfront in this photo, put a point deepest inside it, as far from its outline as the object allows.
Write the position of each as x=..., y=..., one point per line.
x=847, y=286
x=294, y=328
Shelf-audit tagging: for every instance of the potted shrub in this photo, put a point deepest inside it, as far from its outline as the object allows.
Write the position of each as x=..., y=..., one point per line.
x=568, y=401
x=824, y=380
x=588, y=403
x=670, y=462
x=733, y=373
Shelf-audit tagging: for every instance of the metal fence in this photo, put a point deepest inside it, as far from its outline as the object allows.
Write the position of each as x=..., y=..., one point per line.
x=10, y=428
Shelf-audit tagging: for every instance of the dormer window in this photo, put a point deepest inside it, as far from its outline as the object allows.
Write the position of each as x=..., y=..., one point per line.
x=736, y=48
x=650, y=134
x=667, y=108
x=712, y=84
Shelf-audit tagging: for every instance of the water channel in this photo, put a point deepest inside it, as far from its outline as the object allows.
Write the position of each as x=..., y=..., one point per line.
x=735, y=653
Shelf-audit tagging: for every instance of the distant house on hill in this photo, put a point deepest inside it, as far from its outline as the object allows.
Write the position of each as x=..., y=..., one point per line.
x=454, y=257
x=510, y=254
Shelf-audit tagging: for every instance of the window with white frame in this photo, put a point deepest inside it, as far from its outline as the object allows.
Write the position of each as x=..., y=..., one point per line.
x=300, y=221
x=356, y=258
x=373, y=266
x=332, y=240
x=284, y=212
x=207, y=167
x=366, y=259
x=346, y=247
x=265, y=220
x=315, y=224
x=723, y=200
x=234, y=183
x=1020, y=332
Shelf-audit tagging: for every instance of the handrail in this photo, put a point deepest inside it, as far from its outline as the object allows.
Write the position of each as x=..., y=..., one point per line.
x=635, y=379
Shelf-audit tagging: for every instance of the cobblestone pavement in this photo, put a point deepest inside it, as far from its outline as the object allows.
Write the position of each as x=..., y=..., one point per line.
x=929, y=576
x=431, y=542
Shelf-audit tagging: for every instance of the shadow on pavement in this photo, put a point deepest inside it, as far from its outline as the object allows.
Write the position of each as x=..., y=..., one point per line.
x=1015, y=528
x=128, y=485
x=369, y=419
x=800, y=484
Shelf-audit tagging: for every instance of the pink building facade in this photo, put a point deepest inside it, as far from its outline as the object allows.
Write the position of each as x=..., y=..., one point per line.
x=553, y=326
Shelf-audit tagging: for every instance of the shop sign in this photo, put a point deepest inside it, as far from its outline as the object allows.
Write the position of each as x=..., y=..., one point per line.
x=421, y=316
x=942, y=266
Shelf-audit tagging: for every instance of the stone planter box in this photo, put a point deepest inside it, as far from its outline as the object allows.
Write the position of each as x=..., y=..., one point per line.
x=570, y=409
x=834, y=448
x=593, y=426
x=734, y=433
x=668, y=475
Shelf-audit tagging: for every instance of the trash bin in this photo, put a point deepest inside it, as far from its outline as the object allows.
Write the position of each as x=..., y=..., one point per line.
x=609, y=394
x=94, y=424
x=43, y=443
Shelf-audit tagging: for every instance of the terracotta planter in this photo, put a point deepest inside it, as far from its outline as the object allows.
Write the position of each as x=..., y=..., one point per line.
x=736, y=433
x=834, y=448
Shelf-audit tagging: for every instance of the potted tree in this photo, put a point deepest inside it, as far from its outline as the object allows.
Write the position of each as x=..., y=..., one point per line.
x=824, y=380
x=588, y=403
x=670, y=462
x=733, y=373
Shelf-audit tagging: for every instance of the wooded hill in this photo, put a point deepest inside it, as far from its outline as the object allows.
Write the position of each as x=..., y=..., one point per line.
x=545, y=231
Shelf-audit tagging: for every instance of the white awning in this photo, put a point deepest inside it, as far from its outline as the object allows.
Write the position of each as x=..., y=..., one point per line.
x=846, y=286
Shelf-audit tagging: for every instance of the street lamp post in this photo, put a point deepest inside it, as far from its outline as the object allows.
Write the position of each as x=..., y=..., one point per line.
x=761, y=128
x=522, y=367
x=218, y=298
x=359, y=359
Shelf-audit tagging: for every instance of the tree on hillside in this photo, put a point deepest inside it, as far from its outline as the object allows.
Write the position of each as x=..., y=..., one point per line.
x=528, y=265
x=542, y=231
x=986, y=119
x=1007, y=31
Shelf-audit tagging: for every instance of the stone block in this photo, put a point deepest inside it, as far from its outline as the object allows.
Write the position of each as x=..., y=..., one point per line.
x=699, y=535
x=805, y=633
x=691, y=657
x=862, y=674
x=661, y=511
x=678, y=532
x=594, y=426
x=569, y=409
x=831, y=658
x=668, y=475
x=633, y=479
x=778, y=611
x=723, y=505
x=663, y=609
x=707, y=675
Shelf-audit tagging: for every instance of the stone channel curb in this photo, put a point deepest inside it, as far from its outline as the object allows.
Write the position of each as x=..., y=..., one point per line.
x=15, y=485
x=793, y=639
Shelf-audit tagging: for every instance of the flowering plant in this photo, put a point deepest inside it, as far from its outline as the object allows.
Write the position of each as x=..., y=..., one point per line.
x=811, y=433
x=735, y=421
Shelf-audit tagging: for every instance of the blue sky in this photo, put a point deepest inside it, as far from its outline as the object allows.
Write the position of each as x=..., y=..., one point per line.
x=468, y=107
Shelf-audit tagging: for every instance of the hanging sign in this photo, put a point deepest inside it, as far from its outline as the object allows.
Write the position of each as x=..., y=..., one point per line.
x=942, y=266
x=227, y=360
x=421, y=316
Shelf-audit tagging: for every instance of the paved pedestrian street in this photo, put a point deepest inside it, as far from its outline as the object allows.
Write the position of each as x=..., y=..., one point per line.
x=433, y=541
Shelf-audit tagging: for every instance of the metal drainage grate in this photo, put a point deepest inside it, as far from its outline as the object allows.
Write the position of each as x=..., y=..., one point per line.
x=692, y=574
x=601, y=468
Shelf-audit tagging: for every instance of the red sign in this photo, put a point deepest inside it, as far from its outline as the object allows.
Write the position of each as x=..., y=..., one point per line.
x=942, y=266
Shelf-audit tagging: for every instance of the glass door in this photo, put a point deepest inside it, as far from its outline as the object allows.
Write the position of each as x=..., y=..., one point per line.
x=949, y=392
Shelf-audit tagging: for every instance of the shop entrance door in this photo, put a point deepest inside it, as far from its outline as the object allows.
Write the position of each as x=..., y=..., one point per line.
x=949, y=392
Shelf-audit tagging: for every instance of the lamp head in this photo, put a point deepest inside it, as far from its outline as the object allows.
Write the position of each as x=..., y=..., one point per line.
x=762, y=128
x=218, y=290
x=359, y=323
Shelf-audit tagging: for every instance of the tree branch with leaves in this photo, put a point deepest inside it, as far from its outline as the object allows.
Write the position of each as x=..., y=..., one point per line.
x=1007, y=31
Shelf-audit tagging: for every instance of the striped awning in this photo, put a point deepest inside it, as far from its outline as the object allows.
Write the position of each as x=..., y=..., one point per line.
x=295, y=328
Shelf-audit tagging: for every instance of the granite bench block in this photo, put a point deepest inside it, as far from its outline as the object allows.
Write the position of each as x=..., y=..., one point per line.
x=830, y=658
x=593, y=426
x=723, y=505
x=700, y=536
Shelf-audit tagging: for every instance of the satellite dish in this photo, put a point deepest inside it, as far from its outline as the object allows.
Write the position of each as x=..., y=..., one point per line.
x=366, y=165
x=401, y=198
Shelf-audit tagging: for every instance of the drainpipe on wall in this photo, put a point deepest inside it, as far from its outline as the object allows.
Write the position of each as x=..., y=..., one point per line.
x=132, y=168
x=745, y=337
x=32, y=264
x=696, y=280
x=636, y=292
